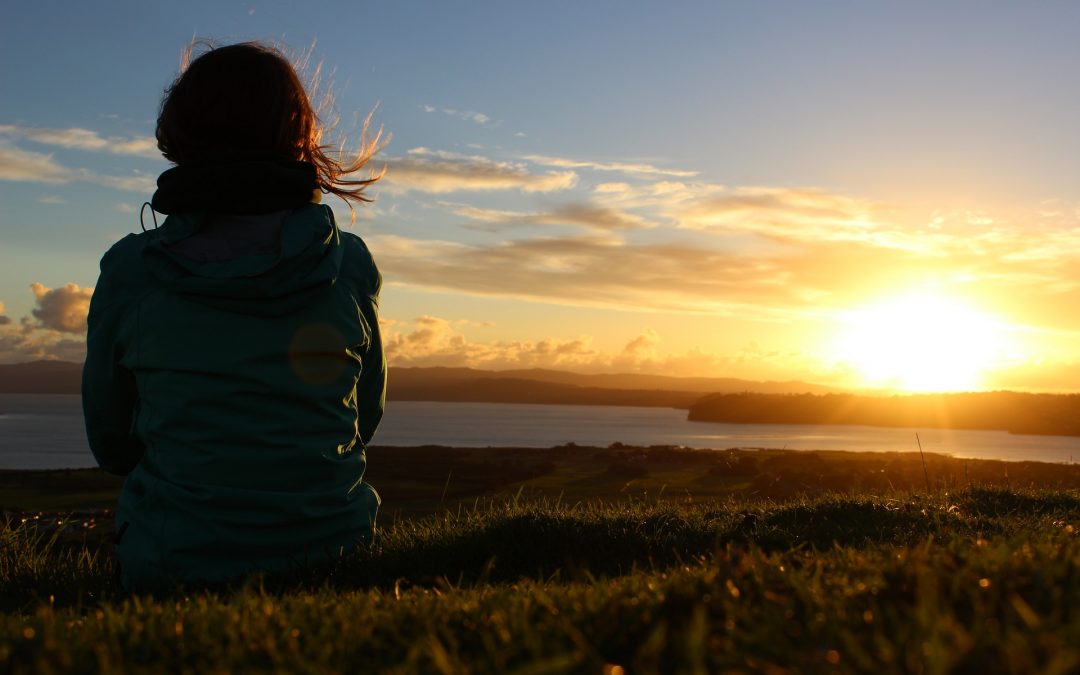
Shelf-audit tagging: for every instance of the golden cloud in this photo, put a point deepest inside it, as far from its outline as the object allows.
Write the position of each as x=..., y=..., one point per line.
x=61, y=309
x=56, y=328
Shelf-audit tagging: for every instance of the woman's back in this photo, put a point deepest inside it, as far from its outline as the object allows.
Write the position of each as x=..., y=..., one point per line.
x=249, y=409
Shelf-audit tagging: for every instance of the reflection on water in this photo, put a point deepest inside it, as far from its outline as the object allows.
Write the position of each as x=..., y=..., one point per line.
x=46, y=431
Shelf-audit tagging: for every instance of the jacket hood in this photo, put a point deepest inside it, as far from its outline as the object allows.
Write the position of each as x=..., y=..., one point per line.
x=302, y=260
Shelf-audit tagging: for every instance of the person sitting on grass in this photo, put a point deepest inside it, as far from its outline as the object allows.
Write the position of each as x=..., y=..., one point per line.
x=234, y=369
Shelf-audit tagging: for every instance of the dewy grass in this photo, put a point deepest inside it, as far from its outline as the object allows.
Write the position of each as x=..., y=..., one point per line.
x=980, y=580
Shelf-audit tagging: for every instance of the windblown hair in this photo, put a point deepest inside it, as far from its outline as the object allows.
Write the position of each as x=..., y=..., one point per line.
x=247, y=101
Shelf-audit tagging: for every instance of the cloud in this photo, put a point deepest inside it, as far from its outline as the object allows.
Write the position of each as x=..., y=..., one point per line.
x=21, y=165
x=805, y=279
x=85, y=139
x=141, y=183
x=596, y=269
x=781, y=215
x=643, y=346
x=442, y=172
x=583, y=215
x=786, y=213
x=468, y=115
x=56, y=331
x=52, y=199
x=435, y=341
x=24, y=344
x=61, y=309
x=624, y=167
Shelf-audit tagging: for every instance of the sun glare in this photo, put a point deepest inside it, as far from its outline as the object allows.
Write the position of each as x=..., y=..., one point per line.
x=921, y=342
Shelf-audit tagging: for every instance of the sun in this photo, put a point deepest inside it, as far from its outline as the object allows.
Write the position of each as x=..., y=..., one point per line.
x=921, y=342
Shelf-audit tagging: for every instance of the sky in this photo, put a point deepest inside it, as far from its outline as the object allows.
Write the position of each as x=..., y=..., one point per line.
x=874, y=195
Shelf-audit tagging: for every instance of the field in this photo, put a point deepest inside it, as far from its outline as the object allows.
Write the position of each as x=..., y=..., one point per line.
x=593, y=560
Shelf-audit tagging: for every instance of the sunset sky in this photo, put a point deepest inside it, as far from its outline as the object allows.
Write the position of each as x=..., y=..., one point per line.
x=860, y=194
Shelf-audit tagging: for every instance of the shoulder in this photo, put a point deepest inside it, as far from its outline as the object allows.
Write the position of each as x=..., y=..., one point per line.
x=358, y=264
x=123, y=260
x=123, y=273
x=126, y=250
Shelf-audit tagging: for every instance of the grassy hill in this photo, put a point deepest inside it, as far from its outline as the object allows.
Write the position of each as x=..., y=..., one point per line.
x=514, y=570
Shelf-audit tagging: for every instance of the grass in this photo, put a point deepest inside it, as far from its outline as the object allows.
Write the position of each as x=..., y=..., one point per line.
x=977, y=579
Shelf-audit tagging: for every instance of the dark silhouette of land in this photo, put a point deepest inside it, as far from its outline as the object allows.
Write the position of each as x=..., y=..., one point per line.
x=40, y=377
x=1018, y=413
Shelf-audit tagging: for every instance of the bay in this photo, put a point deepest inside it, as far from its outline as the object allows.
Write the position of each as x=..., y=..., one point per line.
x=45, y=431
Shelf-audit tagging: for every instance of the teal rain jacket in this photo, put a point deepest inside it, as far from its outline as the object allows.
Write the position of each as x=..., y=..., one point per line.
x=237, y=395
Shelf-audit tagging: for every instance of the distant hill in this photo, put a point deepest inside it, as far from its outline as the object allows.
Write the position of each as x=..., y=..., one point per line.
x=1051, y=414
x=467, y=384
x=510, y=390
x=407, y=378
x=40, y=377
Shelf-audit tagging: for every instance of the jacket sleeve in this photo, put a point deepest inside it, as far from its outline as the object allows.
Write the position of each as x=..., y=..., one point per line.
x=109, y=395
x=371, y=388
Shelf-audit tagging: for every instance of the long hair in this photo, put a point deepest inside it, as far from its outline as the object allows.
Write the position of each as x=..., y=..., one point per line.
x=247, y=101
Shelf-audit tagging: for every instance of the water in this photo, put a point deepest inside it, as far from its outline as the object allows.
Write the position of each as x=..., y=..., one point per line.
x=42, y=431
x=45, y=431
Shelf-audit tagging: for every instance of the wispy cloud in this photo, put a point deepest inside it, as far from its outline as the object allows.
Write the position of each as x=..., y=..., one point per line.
x=426, y=170
x=84, y=139
x=582, y=215
x=142, y=183
x=594, y=270
x=624, y=167
x=19, y=165
x=785, y=213
x=468, y=115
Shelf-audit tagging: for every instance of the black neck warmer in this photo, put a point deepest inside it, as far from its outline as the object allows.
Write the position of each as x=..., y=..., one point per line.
x=235, y=186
